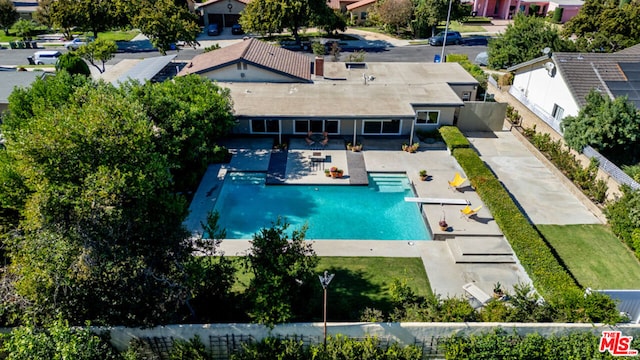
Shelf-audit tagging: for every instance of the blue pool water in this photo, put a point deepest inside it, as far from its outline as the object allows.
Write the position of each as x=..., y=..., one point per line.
x=374, y=212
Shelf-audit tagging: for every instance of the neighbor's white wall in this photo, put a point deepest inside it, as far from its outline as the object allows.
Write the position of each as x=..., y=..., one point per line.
x=543, y=90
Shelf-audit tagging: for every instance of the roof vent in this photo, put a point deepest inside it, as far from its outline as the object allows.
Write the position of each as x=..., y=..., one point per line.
x=550, y=67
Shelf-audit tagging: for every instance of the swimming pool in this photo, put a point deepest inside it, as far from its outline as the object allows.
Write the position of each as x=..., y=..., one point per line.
x=374, y=212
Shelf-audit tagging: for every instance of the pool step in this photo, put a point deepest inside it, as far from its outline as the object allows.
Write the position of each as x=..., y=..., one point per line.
x=390, y=182
x=247, y=178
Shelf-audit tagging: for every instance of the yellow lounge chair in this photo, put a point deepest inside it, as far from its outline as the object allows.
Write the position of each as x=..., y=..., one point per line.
x=456, y=182
x=467, y=212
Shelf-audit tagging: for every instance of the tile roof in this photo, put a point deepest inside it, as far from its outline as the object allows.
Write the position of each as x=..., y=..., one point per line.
x=334, y=4
x=360, y=3
x=257, y=53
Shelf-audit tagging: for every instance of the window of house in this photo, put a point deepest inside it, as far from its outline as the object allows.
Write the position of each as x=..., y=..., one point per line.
x=241, y=66
x=265, y=126
x=381, y=127
x=557, y=112
x=363, y=15
x=466, y=96
x=316, y=126
x=427, y=117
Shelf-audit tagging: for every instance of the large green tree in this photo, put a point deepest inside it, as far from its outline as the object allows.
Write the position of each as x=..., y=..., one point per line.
x=99, y=50
x=88, y=183
x=165, y=23
x=394, y=14
x=608, y=25
x=73, y=64
x=428, y=14
x=63, y=14
x=524, y=40
x=282, y=265
x=274, y=16
x=8, y=15
x=610, y=126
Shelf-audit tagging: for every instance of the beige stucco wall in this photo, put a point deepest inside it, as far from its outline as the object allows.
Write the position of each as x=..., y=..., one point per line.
x=356, y=14
x=251, y=74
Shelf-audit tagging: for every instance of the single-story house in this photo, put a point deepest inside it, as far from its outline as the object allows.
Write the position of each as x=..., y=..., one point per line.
x=555, y=85
x=279, y=92
x=225, y=13
x=154, y=69
x=26, y=9
x=498, y=9
x=359, y=10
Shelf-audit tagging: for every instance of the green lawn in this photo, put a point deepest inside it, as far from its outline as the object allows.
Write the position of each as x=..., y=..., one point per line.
x=118, y=35
x=360, y=282
x=595, y=257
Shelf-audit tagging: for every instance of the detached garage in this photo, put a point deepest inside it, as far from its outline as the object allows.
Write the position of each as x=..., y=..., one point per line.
x=225, y=13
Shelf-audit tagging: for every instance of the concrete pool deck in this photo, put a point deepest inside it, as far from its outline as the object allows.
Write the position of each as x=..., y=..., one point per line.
x=472, y=251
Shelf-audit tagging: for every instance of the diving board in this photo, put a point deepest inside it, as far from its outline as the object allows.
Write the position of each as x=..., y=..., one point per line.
x=437, y=201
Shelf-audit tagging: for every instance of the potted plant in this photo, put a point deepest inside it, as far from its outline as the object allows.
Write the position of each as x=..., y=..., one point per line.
x=423, y=175
x=327, y=173
x=356, y=147
x=340, y=172
x=497, y=290
x=335, y=172
x=443, y=225
x=349, y=146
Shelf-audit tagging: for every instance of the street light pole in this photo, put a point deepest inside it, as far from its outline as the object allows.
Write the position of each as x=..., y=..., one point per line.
x=446, y=30
x=324, y=281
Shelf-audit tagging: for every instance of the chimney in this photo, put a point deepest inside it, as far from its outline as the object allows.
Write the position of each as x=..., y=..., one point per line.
x=319, y=67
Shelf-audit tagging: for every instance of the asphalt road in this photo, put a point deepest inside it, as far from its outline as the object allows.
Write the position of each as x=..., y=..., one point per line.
x=411, y=53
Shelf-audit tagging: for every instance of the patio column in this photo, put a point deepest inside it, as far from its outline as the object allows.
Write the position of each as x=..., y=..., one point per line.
x=413, y=125
x=280, y=131
x=354, y=131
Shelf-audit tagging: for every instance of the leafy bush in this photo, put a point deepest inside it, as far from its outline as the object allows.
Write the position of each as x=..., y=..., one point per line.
x=56, y=341
x=622, y=215
x=453, y=137
x=318, y=48
x=215, y=46
x=473, y=69
x=500, y=344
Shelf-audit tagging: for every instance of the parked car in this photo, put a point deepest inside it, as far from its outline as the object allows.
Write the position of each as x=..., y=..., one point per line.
x=213, y=30
x=236, y=29
x=453, y=37
x=47, y=57
x=482, y=59
x=76, y=43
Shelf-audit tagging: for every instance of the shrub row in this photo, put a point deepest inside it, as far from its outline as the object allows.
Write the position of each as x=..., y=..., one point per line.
x=564, y=160
x=585, y=178
x=622, y=215
x=473, y=69
x=499, y=344
x=453, y=137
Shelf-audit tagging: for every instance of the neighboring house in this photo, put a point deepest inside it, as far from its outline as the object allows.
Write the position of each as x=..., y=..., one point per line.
x=359, y=10
x=26, y=8
x=225, y=13
x=275, y=92
x=555, y=86
x=10, y=79
x=154, y=69
x=506, y=9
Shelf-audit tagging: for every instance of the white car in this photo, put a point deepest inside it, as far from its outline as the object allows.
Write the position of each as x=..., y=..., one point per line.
x=75, y=44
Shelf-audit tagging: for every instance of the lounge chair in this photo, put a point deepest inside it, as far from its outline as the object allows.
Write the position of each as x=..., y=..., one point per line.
x=456, y=182
x=467, y=211
x=325, y=139
x=308, y=139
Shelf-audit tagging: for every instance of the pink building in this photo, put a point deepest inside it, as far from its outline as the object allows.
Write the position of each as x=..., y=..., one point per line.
x=506, y=9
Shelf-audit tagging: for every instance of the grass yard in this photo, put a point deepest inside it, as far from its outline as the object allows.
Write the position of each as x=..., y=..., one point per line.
x=359, y=282
x=119, y=35
x=595, y=257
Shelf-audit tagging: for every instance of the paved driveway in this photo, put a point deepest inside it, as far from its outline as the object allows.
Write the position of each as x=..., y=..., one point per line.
x=538, y=191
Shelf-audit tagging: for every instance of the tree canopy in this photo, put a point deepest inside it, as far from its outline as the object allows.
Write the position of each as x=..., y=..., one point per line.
x=99, y=50
x=73, y=64
x=8, y=15
x=610, y=126
x=428, y=14
x=87, y=172
x=608, y=26
x=274, y=16
x=524, y=40
x=283, y=273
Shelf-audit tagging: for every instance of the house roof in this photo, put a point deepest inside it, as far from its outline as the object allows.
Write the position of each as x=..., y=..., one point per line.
x=334, y=4
x=255, y=52
x=207, y=3
x=359, y=4
x=615, y=73
x=11, y=79
x=391, y=90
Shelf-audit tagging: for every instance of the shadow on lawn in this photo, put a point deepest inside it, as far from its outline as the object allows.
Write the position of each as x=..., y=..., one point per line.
x=347, y=296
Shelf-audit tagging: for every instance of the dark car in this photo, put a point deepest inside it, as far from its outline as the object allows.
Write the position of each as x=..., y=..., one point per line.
x=236, y=29
x=453, y=37
x=213, y=30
